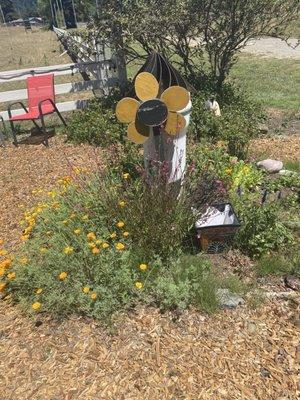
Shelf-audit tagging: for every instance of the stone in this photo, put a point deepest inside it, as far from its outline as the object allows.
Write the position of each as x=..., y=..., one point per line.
x=292, y=282
x=272, y=166
x=286, y=172
x=263, y=128
x=251, y=327
x=229, y=300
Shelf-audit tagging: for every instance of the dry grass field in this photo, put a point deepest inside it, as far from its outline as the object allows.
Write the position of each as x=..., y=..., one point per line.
x=20, y=50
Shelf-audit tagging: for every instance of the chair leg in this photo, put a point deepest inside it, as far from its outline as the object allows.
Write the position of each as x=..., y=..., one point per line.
x=60, y=116
x=44, y=130
x=13, y=131
x=37, y=125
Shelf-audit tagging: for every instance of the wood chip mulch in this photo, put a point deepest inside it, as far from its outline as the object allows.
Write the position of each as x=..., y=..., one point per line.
x=282, y=148
x=241, y=354
x=27, y=168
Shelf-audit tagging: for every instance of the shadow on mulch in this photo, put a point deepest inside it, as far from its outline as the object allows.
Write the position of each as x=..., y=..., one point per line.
x=36, y=138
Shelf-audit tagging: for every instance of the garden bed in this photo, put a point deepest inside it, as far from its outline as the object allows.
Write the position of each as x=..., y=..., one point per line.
x=242, y=353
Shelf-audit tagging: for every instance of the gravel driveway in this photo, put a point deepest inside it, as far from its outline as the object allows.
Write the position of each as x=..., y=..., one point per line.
x=273, y=48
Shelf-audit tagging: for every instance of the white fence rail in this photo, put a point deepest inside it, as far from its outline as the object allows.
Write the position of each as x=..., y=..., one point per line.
x=96, y=66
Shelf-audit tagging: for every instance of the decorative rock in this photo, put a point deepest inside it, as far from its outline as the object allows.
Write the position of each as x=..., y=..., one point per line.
x=228, y=299
x=263, y=128
x=272, y=166
x=286, y=172
x=213, y=106
x=250, y=326
x=292, y=282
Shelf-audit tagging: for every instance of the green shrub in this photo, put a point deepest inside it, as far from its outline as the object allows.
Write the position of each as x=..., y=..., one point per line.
x=96, y=125
x=106, y=244
x=279, y=264
x=188, y=281
x=261, y=230
x=237, y=125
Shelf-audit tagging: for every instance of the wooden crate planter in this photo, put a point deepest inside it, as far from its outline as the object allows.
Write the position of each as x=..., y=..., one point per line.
x=217, y=227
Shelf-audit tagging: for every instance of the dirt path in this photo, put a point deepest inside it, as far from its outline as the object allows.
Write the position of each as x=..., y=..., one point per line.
x=273, y=48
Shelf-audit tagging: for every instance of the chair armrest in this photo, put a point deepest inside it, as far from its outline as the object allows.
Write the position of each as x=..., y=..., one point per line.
x=13, y=104
x=43, y=101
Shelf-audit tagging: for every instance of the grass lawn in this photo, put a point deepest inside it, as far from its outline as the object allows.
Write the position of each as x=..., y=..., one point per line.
x=274, y=83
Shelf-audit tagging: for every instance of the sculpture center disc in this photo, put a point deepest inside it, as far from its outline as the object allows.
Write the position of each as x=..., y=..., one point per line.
x=152, y=112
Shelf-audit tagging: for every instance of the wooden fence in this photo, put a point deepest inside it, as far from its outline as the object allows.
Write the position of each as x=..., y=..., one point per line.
x=96, y=65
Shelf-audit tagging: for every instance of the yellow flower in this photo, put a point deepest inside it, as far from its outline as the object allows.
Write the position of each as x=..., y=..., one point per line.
x=105, y=245
x=24, y=238
x=2, y=287
x=62, y=276
x=138, y=285
x=11, y=276
x=113, y=235
x=5, y=263
x=77, y=231
x=94, y=296
x=65, y=221
x=23, y=260
x=72, y=216
x=221, y=143
x=3, y=252
x=39, y=291
x=68, y=250
x=122, y=203
x=52, y=194
x=125, y=234
x=120, y=246
x=86, y=290
x=126, y=175
x=120, y=224
x=143, y=267
x=43, y=250
x=91, y=236
x=85, y=217
x=98, y=241
x=228, y=171
x=55, y=204
x=91, y=245
x=2, y=271
x=36, y=306
x=95, y=250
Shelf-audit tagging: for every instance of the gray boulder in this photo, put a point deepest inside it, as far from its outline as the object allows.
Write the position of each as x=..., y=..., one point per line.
x=229, y=300
x=272, y=166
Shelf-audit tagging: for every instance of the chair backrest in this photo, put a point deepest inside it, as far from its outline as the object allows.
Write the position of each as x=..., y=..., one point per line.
x=40, y=88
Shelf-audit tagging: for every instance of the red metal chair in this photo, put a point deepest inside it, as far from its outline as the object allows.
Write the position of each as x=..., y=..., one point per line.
x=41, y=102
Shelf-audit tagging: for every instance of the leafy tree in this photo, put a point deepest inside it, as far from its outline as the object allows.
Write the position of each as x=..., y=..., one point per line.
x=8, y=10
x=183, y=29
x=228, y=26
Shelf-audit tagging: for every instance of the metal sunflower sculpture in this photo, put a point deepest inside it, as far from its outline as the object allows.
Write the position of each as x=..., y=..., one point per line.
x=152, y=109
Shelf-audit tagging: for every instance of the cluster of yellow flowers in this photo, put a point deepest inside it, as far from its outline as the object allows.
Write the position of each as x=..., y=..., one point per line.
x=30, y=217
x=5, y=265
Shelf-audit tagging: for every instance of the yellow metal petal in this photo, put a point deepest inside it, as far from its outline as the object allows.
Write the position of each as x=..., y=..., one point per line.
x=175, y=123
x=126, y=110
x=134, y=136
x=146, y=86
x=176, y=98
